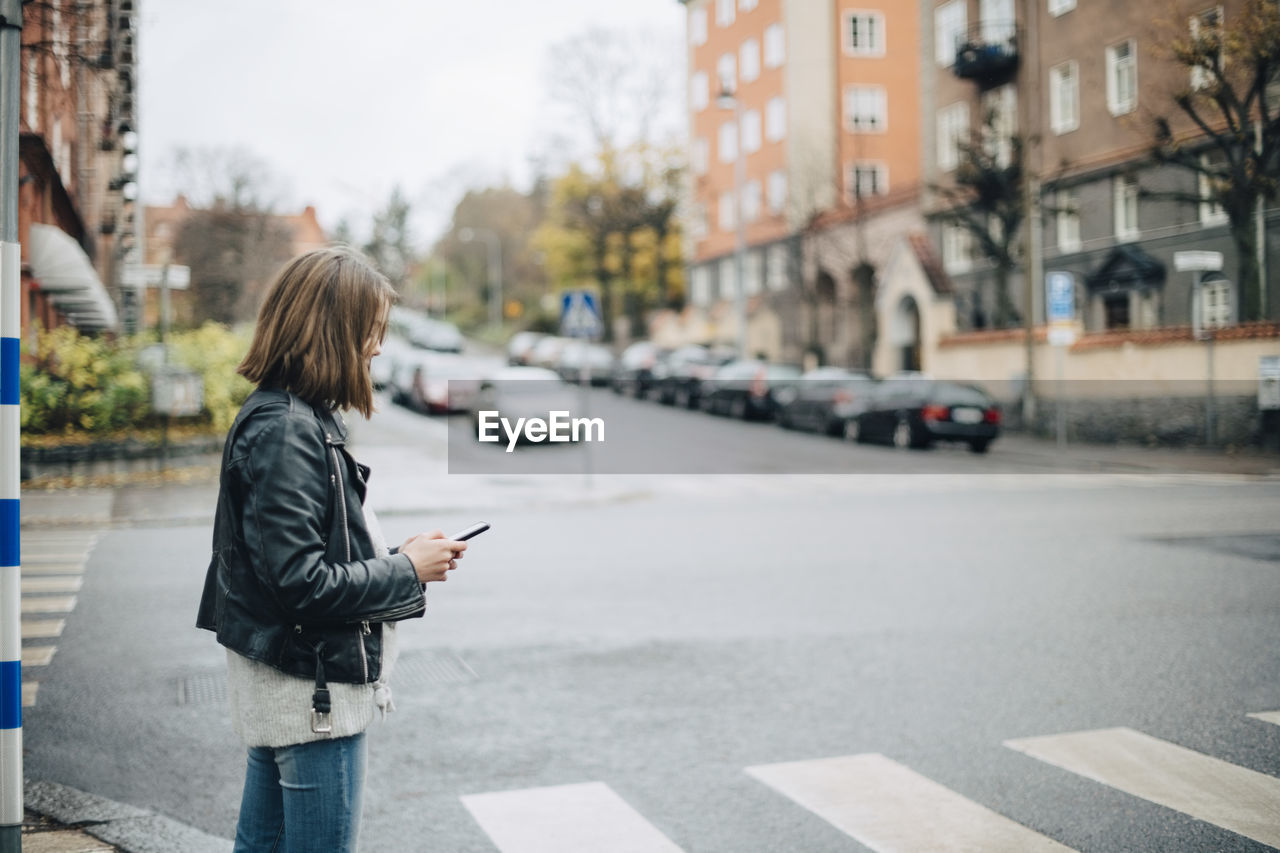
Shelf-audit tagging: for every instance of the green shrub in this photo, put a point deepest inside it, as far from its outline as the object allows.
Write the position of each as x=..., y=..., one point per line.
x=83, y=385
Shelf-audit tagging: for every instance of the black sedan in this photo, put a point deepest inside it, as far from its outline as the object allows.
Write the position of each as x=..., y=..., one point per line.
x=824, y=400
x=678, y=378
x=746, y=389
x=917, y=411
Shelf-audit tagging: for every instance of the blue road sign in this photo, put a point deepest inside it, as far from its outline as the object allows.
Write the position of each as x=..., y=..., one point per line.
x=579, y=316
x=1060, y=299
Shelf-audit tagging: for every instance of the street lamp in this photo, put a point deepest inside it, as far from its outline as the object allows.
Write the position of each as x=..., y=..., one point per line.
x=728, y=100
x=491, y=240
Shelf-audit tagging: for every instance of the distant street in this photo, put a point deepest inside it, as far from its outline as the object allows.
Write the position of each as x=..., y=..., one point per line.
x=1019, y=651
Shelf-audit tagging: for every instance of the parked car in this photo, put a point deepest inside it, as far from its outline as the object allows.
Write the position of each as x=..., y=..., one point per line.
x=824, y=399
x=583, y=358
x=916, y=411
x=746, y=388
x=521, y=346
x=633, y=372
x=436, y=383
x=383, y=366
x=546, y=352
x=521, y=392
x=425, y=332
x=678, y=378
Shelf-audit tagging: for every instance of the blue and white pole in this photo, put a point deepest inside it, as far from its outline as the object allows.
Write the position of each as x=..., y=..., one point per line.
x=11, y=805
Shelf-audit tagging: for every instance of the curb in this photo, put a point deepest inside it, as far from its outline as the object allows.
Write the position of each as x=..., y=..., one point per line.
x=128, y=828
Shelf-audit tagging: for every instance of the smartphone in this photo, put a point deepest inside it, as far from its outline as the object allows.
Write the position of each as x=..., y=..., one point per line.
x=473, y=530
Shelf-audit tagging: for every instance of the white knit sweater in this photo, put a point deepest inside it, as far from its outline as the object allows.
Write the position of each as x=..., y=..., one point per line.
x=272, y=708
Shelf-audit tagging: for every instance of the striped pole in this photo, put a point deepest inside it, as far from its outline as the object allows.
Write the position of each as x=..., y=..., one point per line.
x=11, y=805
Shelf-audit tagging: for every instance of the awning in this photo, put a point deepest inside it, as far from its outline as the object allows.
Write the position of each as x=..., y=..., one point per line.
x=66, y=275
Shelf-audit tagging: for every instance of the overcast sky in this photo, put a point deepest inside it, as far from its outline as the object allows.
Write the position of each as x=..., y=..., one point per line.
x=342, y=100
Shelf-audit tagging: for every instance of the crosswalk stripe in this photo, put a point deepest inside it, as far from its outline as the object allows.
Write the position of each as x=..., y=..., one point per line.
x=51, y=584
x=1209, y=789
x=1272, y=717
x=29, y=689
x=48, y=604
x=585, y=818
x=42, y=569
x=889, y=807
x=58, y=557
x=37, y=655
x=42, y=629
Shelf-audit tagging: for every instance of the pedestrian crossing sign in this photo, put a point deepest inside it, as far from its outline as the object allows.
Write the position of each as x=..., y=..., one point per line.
x=579, y=316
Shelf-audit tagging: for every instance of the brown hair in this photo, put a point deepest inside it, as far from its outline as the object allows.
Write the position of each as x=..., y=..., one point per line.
x=324, y=315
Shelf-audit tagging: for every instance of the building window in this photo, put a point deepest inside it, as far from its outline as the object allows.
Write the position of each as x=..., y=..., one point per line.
x=698, y=222
x=33, y=91
x=728, y=278
x=957, y=248
x=866, y=179
x=775, y=119
x=1061, y=7
x=777, y=192
x=749, y=60
x=727, y=218
x=1064, y=97
x=865, y=109
x=864, y=33
x=751, y=131
x=751, y=201
x=1067, y=220
x=727, y=73
x=1122, y=77
x=700, y=156
x=746, y=5
x=728, y=143
x=1206, y=34
x=700, y=286
x=725, y=12
x=752, y=271
x=699, y=91
x=775, y=46
x=776, y=267
x=950, y=20
x=698, y=26
x=1211, y=212
x=953, y=134
x=1125, y=192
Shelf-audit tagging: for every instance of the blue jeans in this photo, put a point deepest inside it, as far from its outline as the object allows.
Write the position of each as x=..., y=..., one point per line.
x=303, y=799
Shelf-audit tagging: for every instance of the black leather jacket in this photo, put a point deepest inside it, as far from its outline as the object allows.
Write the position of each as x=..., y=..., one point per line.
x=293, y=581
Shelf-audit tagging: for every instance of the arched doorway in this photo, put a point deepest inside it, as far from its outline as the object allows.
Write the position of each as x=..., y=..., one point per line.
x=905, y=334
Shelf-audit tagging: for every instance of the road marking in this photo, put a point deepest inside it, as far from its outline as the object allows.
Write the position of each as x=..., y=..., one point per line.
x=586, y=818
x=37, y=655
x=49, y=604
x=42, y=629
x=52, y=584
x=1209, y=789
x=52, y=569
x=889, y=807
x=50, y=557
x=1268, y=717
x=29, y=689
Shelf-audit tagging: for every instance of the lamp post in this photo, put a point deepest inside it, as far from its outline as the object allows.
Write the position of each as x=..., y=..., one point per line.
x=491, y=240
x=729, y=100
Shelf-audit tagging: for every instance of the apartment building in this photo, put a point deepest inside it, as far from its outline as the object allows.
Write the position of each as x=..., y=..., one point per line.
x=78, y=159
x=803, y=133
x=1083, y=83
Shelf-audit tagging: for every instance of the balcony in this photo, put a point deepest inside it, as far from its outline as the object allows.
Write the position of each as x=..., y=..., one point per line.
x=987, y=53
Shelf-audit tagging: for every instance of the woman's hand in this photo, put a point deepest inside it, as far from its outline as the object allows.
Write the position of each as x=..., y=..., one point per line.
x=432, y=555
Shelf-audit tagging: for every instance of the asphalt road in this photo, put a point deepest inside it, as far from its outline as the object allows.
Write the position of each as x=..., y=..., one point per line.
x=662, y=643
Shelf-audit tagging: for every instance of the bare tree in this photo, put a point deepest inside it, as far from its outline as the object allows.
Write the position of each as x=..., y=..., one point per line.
x=1232, y=101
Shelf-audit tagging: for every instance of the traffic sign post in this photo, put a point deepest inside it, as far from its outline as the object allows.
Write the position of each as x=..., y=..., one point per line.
x=1060, y=311
x=1200, y=263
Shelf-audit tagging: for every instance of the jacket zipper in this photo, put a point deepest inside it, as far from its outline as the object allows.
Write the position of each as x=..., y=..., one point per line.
x=342, y=498
x=363, y=632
